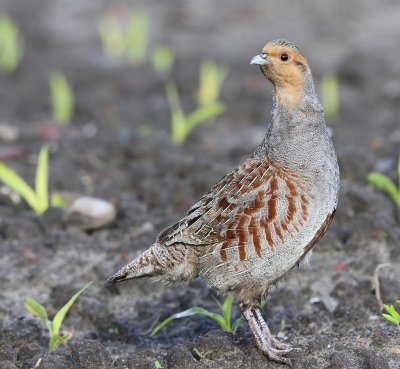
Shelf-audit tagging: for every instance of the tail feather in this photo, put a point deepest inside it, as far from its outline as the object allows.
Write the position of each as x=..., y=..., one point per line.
x=143, y=266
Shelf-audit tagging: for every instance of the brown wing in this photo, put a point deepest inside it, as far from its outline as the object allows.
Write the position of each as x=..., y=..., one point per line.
x=257, y=200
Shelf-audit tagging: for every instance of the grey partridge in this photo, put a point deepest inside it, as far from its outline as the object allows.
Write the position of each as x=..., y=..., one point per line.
x=264, y=217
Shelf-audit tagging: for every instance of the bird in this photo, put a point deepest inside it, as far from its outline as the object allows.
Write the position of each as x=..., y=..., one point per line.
x=264, y=217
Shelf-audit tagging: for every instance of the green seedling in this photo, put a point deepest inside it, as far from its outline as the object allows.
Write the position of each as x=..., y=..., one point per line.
x=53, y=326
x=329, y=87
x=385, y=184
x=136, y=37
x=199, y=355
x=223, y=319
x=11, y=49
x=125, y=39
x=38, y=198
x=112, y=36
x=62, y=98
x=162, y=59
x=182, y=125
x=392, y=316
x=211, y=78
x=57, y=200
x=157, y=365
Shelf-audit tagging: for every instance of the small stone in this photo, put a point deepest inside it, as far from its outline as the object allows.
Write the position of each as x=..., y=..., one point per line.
x=90, y=354
x=180, y=357
x=8, y=132
x=90, y=213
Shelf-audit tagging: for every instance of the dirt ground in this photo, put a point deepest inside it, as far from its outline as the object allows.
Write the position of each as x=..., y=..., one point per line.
x=329, y=312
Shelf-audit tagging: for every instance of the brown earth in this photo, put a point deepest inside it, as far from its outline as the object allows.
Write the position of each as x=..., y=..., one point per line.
x=329, y=312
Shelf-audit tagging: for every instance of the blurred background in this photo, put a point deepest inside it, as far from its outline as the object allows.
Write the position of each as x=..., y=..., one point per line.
x=145, y=105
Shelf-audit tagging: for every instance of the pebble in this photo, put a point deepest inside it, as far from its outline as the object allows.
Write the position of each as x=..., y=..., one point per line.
x=90, y=213
x=8, y=132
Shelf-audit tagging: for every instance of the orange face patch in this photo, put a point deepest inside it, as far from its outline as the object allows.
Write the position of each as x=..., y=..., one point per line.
x=285, y=70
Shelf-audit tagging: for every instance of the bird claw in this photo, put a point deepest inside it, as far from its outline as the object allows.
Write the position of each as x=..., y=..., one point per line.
x=280, y=345
x=275, y=354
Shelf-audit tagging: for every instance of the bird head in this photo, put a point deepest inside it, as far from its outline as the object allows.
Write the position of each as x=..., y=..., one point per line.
x=286, y=67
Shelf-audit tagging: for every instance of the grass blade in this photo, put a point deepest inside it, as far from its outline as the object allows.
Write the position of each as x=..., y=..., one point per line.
x=17, y=184
x=62, y=98
x=391, y=318
x=236, y=324
x=59, y=317
x=384, y=183
x=178, y=120
x=398, y=175
x=189, y=312
x=42, y=178
x=112, y=36
x=227, y=311
x=203, y=114
x=35, y=308
x=136, y=37
x=56, y=341
x=10, y=44
x=162, y=59
x=211, y=77
x=393, y=312
x=329, y=86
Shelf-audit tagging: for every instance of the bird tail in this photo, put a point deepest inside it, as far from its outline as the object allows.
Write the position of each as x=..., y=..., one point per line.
x=145, y=265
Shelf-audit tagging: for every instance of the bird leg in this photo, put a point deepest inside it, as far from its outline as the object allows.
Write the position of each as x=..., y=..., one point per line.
x=265, y=342
x=275, y=343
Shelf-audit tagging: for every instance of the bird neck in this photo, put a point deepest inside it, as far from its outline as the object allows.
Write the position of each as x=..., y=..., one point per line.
x=292, y=92
x=295, y=133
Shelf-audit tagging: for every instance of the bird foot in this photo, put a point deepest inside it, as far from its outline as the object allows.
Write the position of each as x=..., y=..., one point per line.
x=280, y=345
x=265, y=341
x=266, y=347
x=265, y=330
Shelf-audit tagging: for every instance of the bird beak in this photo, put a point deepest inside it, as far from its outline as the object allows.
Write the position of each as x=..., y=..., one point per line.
x=260, y=59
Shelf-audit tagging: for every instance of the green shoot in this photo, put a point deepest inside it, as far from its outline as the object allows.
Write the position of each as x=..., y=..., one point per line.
x=38, y=198
x=223, y=319
x=57, y=200
x=385, y=184
x=11, y=49
x=329, y=87
x=53, y=326
x=199, y=355
x=392, y=316
x=125, y=39
x=211, y=78
x=162, y=59
x=182, y=125
x=157, y=365
x=62, y=98
x=112, y=36
x=136, y=37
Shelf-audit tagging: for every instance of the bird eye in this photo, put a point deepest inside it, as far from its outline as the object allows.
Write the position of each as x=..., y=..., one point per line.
x=284, y=57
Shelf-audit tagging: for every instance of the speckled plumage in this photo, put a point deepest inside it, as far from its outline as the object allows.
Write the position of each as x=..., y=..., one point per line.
x=261, y=219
